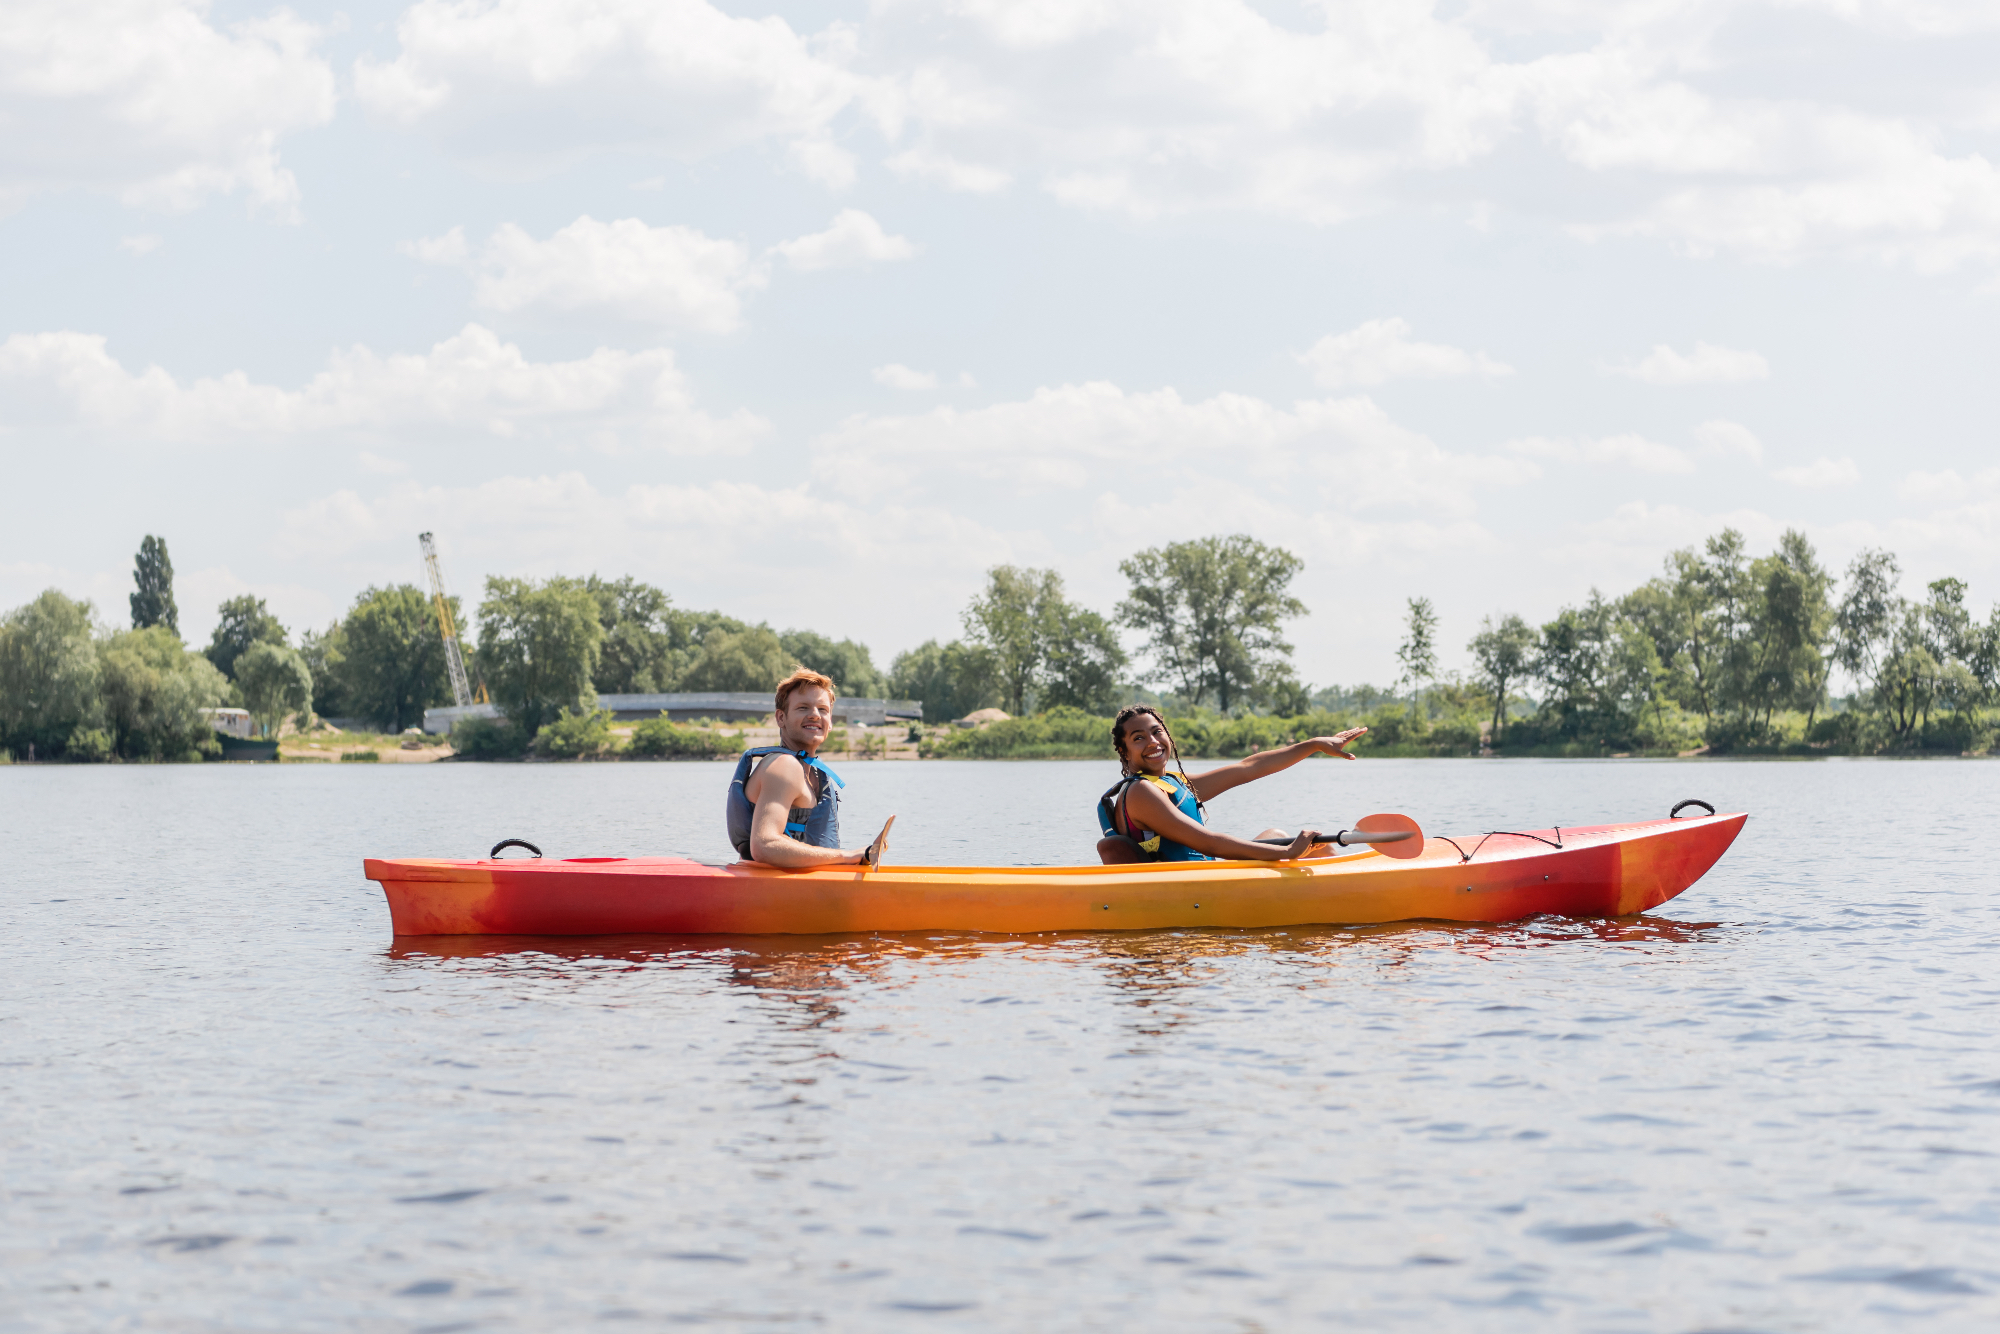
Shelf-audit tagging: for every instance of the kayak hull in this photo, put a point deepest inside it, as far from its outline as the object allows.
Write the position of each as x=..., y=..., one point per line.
x=1602, y=871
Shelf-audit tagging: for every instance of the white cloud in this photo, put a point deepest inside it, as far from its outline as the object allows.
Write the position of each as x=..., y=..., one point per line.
x=1729, y=439
x=965, y=177
x=1825, y=181
x=727, y=542
x=139, y=245
x=1947, y=486
x=146, y=100
x=1820, y=474
x=854, y=238
x=1707, y=364
x=1074, y=441
x=471, y=382
x=627, y=270
x=1631, y=451
x=898, y=376
x=1383, y=350
x=673, y=276
x=536, y=81
x=1636, y=119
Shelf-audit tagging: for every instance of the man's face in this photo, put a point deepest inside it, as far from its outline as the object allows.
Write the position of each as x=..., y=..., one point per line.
x=807, y=717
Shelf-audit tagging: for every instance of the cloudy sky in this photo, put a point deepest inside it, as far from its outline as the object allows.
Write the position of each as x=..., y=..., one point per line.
x=813, y=311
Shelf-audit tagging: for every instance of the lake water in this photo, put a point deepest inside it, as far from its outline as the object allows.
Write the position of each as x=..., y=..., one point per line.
x=233, y=1102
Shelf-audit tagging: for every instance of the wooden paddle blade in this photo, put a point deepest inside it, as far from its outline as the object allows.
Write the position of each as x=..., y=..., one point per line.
x=1388, y=824
x=879, y=846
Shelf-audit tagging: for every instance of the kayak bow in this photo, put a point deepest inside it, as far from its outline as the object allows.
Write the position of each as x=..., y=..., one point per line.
x=1603, y=871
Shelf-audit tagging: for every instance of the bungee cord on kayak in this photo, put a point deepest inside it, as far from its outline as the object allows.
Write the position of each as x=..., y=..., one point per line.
x=1464, y=856
x=1556, y=843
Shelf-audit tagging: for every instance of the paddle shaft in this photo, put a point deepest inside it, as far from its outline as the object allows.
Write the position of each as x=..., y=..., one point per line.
x=1350, y=836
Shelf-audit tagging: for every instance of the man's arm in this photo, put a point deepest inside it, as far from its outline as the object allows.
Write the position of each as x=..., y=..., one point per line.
x=1149, y=808
x=1215, y=782
x=782, y=785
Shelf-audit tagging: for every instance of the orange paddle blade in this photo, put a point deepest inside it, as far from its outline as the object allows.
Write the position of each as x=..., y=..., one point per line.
x=1403, y=851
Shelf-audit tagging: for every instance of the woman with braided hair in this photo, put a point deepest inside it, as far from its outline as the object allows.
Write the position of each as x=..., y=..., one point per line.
x=1152, y=815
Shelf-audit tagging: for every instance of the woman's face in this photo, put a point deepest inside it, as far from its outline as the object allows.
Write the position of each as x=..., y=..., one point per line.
x=1145, y=746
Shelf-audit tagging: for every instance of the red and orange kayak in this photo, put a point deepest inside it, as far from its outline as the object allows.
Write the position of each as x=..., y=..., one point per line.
x=1602, y=871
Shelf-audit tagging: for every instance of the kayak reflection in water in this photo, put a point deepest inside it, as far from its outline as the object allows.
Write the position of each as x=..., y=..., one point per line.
x=1150, y=815
x=785, y=811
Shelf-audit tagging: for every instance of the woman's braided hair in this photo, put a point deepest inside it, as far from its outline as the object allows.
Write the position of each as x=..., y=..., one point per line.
x=1127, y=714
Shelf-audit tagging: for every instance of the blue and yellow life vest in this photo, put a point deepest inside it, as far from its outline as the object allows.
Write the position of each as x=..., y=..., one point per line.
x=818, y=825
x=1113, y=817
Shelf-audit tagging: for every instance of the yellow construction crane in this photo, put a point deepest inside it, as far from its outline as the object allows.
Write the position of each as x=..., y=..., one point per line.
x=461, y=689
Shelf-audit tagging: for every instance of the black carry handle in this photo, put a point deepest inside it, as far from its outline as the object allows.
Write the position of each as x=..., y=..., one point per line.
x=1348, y=837
x=513, y=843
x=1680, y=806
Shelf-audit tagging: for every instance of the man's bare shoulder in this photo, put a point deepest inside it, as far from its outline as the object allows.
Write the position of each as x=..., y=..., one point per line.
x=779, y=776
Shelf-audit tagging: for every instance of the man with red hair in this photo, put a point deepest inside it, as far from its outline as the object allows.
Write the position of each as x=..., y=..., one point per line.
x=784, y=804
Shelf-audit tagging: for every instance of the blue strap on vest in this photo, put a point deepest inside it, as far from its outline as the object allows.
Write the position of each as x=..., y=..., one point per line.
x=818, y=825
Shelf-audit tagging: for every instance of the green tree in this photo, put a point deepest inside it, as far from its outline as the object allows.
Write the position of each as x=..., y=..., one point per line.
x=538, y=647
x=386, y=658
x=742, y=660
x=1596, y=669
x=1418, y=651
x=325, y=652
x=949, y=680
x=1213, y=610
x=1037, y=648
x=1009, y=619
x=48, y=675
x=1955, y=641
x=241, y=622
x=276, y=683
x=1288, y=697
x=153, y=572
x=1082, y=659
x=640, y=654
x=1502, y=654
x=1788, y=621
x=848, y=662
x=1906, y=682
x=1687, y=604
x=154, y=689
x=1869, y=611
x=1984, y=660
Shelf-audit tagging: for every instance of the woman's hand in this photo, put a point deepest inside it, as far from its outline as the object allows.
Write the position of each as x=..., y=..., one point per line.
x=1303, y=843
x=1337, y=743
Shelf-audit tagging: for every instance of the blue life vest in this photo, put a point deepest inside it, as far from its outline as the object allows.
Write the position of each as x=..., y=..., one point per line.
x=818, y=825
x=1113, y=818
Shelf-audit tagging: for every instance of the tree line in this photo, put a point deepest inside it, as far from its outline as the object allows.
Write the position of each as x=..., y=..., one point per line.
x=1731, y=652
x=1723, y=650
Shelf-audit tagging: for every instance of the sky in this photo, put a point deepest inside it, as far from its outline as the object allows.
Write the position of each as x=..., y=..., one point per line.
x=813, y=312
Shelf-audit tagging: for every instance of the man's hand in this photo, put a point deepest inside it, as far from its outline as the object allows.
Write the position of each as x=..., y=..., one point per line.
x=1337, y=743
x=872, y=858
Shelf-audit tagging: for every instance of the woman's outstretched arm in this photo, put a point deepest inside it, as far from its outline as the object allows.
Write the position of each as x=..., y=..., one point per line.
x=1215, y=782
